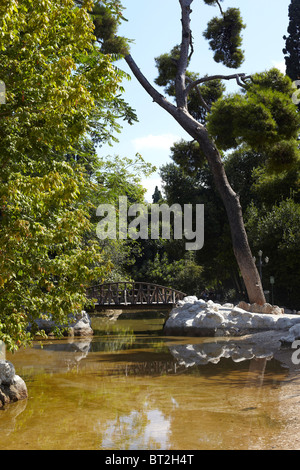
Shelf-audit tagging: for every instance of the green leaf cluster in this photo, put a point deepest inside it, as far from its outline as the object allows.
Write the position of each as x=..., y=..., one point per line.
x=264, y=118
x=184, y=274
x=291, y=50
x=224, y=36
x=63, y=97
x=106, y=27
x=210, y=91
x=47, y=259
x=276, y=232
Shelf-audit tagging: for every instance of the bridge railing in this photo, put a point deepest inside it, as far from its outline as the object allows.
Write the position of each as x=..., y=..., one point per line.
x=126, y=292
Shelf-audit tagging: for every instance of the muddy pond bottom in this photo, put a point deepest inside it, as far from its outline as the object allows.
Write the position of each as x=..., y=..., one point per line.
x=128, y=388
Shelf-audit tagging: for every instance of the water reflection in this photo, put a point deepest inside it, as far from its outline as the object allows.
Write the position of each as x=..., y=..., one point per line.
x=128, y=389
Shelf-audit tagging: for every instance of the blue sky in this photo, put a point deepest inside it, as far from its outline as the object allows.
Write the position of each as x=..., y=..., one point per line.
x=155, y=28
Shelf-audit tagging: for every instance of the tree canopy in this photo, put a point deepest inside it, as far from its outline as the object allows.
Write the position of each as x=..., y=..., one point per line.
x=292, y=41
x=261, y=117
x=62, y=98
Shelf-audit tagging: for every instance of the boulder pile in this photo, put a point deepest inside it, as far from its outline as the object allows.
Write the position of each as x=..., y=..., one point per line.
x=197, y=317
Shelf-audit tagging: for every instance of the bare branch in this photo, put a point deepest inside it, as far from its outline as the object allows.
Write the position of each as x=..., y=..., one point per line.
x=239, y=77
x=204, y=104
x=192, y=47
x=219, y=5
x=180, y=88
x=155, y=95
x=180, y=114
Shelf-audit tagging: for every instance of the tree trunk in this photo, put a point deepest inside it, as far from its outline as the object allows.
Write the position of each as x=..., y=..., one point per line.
x=233, y=208
x=199, y=133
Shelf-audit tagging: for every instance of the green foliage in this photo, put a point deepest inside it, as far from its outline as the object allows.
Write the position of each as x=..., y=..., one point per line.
x=106, y=22
x=291, y=50
x=60, y=88
x=241, y=166
x=184, y=274
x=210, y=91
x=211, y=2
x=264, y=118
x=188, y=156
x=276, y=232
x=184, y=188
x=121, y=176
x=269, y=188
x=166, y=65
x=47, y=260
x=55, y=79
x=224, y=36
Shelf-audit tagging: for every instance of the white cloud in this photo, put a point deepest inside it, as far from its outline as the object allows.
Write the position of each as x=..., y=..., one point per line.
x=163, y=142
x=279, y=65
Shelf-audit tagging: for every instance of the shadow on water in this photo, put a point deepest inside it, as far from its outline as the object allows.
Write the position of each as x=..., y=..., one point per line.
x=131, y=387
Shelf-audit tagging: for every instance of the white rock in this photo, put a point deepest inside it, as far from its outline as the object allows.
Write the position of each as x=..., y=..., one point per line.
x=293, y=334
x=197, y=316
x=7, y=372
x=190, y=299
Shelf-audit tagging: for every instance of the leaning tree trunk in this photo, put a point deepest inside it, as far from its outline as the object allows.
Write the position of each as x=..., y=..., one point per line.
x=199, y=133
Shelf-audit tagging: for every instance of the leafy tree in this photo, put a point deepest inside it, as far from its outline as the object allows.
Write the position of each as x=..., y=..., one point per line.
x=292, y=41
x=194, y=188
x=264, y=117
x=276, y=231
x=61, y=87
x=224, y=36
x=156, y=196
x=246, y=113
x=117, y=177
x=46, y=260
x=184, y=274
x=55, y=81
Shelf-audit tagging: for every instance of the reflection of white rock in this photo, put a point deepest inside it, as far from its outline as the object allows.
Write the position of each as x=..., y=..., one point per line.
x=263, y=345
x=193, y=317
x=293, y=334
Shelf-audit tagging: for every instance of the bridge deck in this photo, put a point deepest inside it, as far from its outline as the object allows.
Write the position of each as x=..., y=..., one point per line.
x=133, y=293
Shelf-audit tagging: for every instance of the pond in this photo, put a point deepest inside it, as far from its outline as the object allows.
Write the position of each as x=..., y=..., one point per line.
x=131, y=388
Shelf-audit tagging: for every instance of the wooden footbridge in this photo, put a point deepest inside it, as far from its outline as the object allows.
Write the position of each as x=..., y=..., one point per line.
x=113, y=294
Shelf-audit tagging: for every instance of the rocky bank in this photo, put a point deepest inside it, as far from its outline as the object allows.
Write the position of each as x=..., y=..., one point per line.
x=196, y=317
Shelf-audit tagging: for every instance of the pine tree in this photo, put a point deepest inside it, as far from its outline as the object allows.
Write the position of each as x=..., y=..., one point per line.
x=292, y=48
x=156, y=196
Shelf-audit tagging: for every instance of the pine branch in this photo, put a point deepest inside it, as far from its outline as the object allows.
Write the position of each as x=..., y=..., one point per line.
x=241, y=79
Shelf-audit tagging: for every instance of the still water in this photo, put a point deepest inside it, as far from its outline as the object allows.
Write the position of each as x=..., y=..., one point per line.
x=131, y=388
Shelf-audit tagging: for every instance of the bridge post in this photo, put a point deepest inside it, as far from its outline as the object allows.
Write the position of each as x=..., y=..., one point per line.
x=125, y=294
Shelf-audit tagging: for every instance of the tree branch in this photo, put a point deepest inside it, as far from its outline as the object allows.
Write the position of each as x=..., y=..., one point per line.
x=155, y=95
x=180, y=114
x=204, y=104
x=219, y=5
x=186, y=41
x=239, y=77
